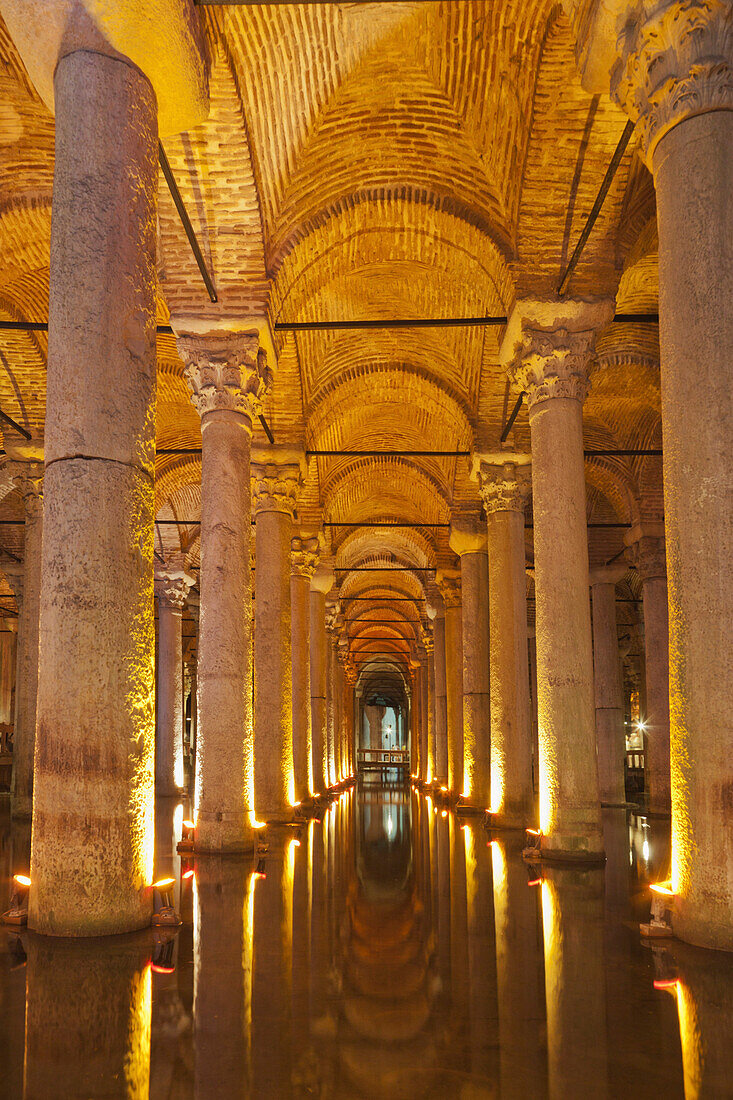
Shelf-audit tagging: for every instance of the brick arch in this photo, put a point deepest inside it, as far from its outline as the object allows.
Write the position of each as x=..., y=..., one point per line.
x=403, y=490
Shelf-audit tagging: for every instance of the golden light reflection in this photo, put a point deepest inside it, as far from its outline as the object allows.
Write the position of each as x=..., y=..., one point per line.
x=692, y=1043
x=497, y=781
x=137, y=1051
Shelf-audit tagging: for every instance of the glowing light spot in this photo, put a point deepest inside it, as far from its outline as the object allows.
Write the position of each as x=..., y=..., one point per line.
x=22, y=880
x=188, y=824
x=188, y=874
x=163, y=883
x=662, y=888
x=645, y=851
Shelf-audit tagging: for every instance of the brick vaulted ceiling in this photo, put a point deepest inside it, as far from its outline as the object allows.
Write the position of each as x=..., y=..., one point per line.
x=367, y=160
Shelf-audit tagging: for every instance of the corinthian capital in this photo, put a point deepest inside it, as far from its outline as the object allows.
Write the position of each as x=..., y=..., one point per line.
x=449, y=584
x=503, y=488
x=27, y=478
x=304, y=556
x=275, y=488
x=548, y=346
x=646, y=550
x=674, y=60
x=173, y=583
x=225, y=371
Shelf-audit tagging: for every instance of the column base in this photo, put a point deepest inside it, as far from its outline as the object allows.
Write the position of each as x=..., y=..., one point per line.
x=569, y=848
x=223, y=834
x=700, y=925
x=507, y=822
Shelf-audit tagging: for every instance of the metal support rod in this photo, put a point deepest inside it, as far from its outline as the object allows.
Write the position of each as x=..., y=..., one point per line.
x=388, y=454
x=13, y=424
x=386, y=568
x=378, y=599
x=266, y=427
x=186, y=222
x=380, y=524
x=426, y=322
x=596, y=208
x=530, y=525
x=510, y=422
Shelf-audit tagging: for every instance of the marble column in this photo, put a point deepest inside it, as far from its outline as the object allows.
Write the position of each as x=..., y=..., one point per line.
x=671, y=69
x=172, y=584
x=547, y=348
x=93, y=793
x=25, y=580
x=468, y=540
x=276, y=481
x=532, y=656
x=504, y=490
x=646, y=552
x=450, y=588
x=415, y=716
x=321, y=583
x=441, y=702
x=303, y=564
x=610, y=733
x=227, y=374
x=429, y=643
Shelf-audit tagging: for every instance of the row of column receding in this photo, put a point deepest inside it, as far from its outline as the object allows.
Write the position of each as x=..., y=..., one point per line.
x=94, y=755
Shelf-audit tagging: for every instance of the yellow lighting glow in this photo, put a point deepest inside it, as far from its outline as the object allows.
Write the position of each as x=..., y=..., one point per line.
x=22, y=880
x=444, y=790
x=662, y=888
x=162, y=883
x=254, y=823
x=443, y=813
x=534, y=832
x=188, y=825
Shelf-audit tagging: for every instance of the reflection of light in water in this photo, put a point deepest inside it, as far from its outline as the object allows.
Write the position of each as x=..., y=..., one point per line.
x=645, y=851
x=178, y=821
x=390, y=824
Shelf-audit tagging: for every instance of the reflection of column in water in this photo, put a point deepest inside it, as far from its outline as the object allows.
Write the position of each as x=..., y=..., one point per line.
x=15, y=850
x=459, y=985
x=271, y=975
x=302, y=855
x=572, y=913
x=518, y=973
x=88, y=1018
x=223, y=976
x=444, y=901
x=623, y=1026
x=481, y=954
x=704, y=994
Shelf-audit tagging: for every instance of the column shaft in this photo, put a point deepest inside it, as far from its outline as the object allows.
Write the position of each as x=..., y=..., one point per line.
x=93, y=799
x=318, y=662
x=476, y=717
x=656, y=643
x=169, y=718
x=610, y=733
x=273, y=726
x=692, y=173
x=569, y=802
x=224, y=675
x=454, y=696
x=300, y=599
x=26, y=678
x=441, y=704
x=511, y=728
x=432, y=717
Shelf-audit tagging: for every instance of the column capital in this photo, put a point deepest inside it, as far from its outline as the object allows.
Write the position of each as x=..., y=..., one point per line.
x=172, y=583
x=608, y=574
x=304, y=556
x=15, y=573
x=449, y=583
x=332, y=615
x=548, y=346
x=278, y=474
x=323, y=579
x=662, y=62
x=504, y=488
x=27, y=478
x=646, y=550
x=225, y=371
x=467, y=535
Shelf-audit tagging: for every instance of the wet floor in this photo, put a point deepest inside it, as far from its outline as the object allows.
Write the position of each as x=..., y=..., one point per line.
x=389, y=950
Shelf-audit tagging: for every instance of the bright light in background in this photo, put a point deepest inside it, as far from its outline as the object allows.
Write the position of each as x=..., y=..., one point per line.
x=390, y=825
x=645, y=851
x=178, y=821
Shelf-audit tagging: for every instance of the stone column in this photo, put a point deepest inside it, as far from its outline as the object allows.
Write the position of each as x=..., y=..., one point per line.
x=430, y=706
x=548, y=348
x=672, y=71
x=424, y=714
x=468, y=539
x=647, y=554
x=450, y=589
x=331, y=661
x=532, y=655
x=415, y=716
x=25, y=580
x=610, y=734
x=321, y=583
x=227, y=374
x=276, y=482
x=303, y=564
x=93, y=787
x=441, y=703
x=171, y=587
x=504, y=490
